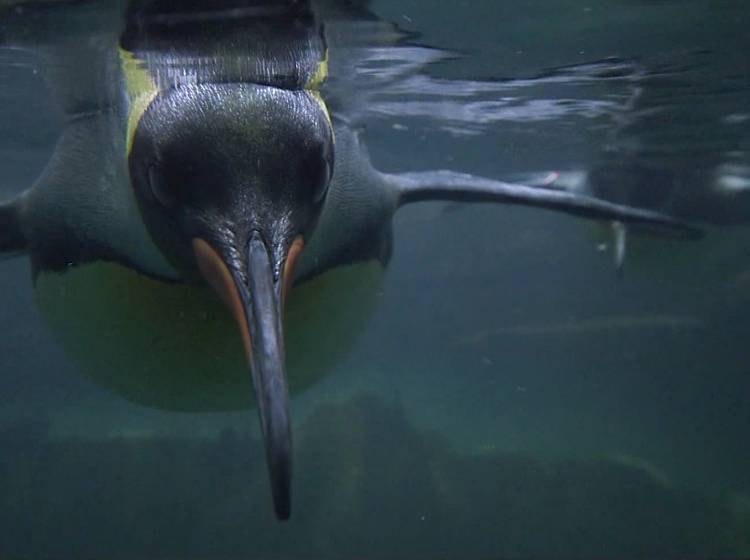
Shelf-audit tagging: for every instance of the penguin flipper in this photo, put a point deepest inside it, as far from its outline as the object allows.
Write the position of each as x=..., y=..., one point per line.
x=12, y=239
x=461, y=187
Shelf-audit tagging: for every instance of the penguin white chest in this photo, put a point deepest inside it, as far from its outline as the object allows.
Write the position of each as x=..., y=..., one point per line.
x=174, y=346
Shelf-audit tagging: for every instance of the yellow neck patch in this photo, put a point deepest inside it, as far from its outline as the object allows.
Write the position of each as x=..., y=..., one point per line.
x=141, y=90
x=314, y=84
x=321, y=74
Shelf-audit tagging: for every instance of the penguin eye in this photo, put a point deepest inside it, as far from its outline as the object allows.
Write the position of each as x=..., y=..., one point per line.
x=323, y=180
x=318, y=169
x=161, y=190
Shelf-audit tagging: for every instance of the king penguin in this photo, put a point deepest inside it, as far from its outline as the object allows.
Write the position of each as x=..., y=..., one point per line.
x=199, y=177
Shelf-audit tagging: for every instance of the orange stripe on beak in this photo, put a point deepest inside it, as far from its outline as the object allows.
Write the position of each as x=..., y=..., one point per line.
x=216, y=273
x=291, y=261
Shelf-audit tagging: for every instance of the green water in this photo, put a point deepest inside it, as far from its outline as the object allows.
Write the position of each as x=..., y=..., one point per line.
x=511, y=395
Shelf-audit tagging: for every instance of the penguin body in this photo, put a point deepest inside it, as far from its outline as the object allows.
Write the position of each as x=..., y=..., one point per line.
x=160, y=342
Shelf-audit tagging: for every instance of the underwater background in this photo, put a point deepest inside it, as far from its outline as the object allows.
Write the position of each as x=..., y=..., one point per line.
x=513, y=395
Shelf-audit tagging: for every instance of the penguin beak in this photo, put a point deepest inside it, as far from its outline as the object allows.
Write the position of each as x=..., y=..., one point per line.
x=256, y=301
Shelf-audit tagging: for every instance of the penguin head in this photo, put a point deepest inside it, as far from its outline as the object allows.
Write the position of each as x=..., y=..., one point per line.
x=219, y=161
x=230, y=180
